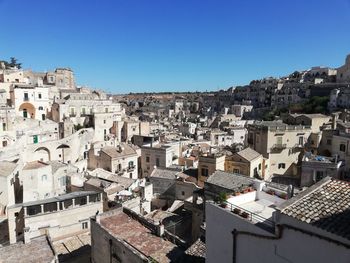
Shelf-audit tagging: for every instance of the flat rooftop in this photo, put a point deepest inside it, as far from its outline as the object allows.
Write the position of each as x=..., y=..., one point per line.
x=262, y=207
x=123, y=227
x=37, y=251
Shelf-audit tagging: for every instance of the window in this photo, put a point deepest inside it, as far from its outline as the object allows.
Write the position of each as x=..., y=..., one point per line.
x=4, y=126
x=35, y=139
x=259, y=166
x=62, y=181
x=44, y=178
x=84, y=225
x=301, y=140
x=319, y=175
x=39, y=95
x=157, y=161
x=104, y=121
x=223, y=139
x=205, y=172
x=130, y=175
x=342, y=147
x=236, y=171
x=183, y=193
x=41, y=108
x=281, y=166
x=26, y=97
x=131, y=164
x=106, y=110
x=119, y=167
x=43, y=117
x=279, y=140
x=25, y=113
x=4, y=143
x=147, y=159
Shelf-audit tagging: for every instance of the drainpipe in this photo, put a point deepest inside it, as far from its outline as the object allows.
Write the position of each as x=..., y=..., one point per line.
x=234, y=245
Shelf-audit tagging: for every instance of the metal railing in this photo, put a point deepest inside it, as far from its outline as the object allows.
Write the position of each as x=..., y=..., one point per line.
x=279, y=146
x=131, y=168
x=253, y=217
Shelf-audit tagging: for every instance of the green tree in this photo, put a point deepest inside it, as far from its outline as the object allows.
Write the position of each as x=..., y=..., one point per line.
x=12, y=63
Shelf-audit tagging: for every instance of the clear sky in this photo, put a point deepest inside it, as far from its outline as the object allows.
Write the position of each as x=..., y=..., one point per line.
x=174, y=45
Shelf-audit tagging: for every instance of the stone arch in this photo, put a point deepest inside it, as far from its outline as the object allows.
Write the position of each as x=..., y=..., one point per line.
x=64, y=148
x=44, y=153
x=28, y=110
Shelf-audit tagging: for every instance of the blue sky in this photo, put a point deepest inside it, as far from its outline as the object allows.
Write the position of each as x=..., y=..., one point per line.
x=174, y=45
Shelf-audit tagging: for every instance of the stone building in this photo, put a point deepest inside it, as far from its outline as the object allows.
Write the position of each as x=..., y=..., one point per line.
x=208, y=164
x=121, y=235
x=122, y=159
x=156, y=156
x=343, y=72
x=58, y=217
x=281, y=144
x=247, y=162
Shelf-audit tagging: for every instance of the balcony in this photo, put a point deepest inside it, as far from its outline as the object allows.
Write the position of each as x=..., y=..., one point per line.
x=131, y=168
x=72, y=114
x=298, y=147
x=121, y=172
x=25, y=99
x=263, y=218
x=279, y=147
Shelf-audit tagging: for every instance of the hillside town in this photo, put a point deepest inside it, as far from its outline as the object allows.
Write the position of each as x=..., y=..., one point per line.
x=253, y=173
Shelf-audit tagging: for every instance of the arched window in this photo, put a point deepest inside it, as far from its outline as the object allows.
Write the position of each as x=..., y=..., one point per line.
x=131, y=164
x=41, y=108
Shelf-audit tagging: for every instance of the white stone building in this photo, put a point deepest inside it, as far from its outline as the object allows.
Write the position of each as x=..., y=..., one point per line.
x=258, y=226
x=30, y=101
x=57, y=217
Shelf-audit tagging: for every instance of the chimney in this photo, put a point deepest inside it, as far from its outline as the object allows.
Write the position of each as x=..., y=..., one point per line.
x=290, y=191
x=160, y=229
x=334, y=121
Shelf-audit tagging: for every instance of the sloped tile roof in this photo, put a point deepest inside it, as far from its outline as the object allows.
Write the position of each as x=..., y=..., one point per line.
x=326, y=206
x=249, y=154
x=230, y=181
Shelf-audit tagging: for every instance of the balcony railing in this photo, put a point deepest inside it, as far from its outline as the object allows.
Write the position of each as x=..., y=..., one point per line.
x=72, y=114
x=279, y=146
x=25, y=99
x=131, y=168
x=252, y=217
x=298, y=146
